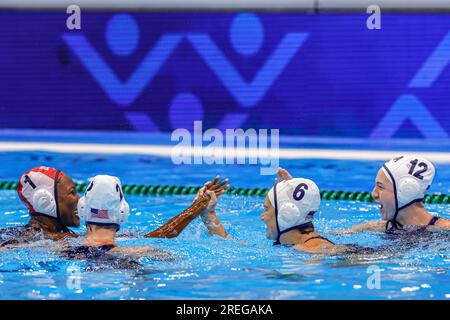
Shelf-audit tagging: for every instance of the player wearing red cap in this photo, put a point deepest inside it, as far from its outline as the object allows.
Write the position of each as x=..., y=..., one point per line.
x=51, y=198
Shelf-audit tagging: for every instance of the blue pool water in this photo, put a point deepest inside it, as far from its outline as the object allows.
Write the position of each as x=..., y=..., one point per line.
x=211, y=268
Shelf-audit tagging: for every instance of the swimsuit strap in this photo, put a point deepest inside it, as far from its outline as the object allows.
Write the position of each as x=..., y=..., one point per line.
x=433, y=221
x=319, y=237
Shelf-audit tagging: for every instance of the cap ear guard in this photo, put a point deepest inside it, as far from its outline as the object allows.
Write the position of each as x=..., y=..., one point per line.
x=289, y=215
x=38, y=190
x=124, y=212
x=407, y=190
x=124, y=209
x=44, y=202
x=81, y=207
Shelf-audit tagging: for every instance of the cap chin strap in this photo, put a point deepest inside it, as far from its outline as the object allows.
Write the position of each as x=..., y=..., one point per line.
x=393, y=222
x=64, y=228
x=55, y=192
x=277, y=242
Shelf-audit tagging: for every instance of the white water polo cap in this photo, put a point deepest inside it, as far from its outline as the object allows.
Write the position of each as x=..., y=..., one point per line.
x=295, y=202
x=103, y=202
x=411, y=178
x=38, y=190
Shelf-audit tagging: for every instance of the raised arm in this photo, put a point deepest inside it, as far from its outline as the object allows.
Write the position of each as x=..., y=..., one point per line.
x=283, y=174
x=209, y=216
x=177, y=224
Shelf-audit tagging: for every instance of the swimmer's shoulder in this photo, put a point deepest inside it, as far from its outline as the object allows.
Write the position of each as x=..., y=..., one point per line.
x=318, y=245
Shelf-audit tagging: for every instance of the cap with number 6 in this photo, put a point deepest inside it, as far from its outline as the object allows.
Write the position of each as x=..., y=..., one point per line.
x=295, y=202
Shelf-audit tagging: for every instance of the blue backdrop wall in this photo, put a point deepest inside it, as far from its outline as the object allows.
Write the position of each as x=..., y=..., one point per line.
x=320, y=75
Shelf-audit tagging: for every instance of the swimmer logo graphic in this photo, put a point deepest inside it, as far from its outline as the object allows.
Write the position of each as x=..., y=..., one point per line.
x=246, y=36
x=122, y=93
x=409, y=106
x=123, y=36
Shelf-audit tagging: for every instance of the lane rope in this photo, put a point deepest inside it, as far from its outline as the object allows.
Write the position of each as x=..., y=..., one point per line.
x=148, y=190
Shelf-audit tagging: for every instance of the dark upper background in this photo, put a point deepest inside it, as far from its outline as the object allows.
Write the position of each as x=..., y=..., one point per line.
x=341, y=82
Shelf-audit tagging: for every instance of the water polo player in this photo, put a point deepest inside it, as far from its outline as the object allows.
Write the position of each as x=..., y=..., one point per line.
x=51, y=198
x=400, y=187
x=104, y=209
x=289, y=209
